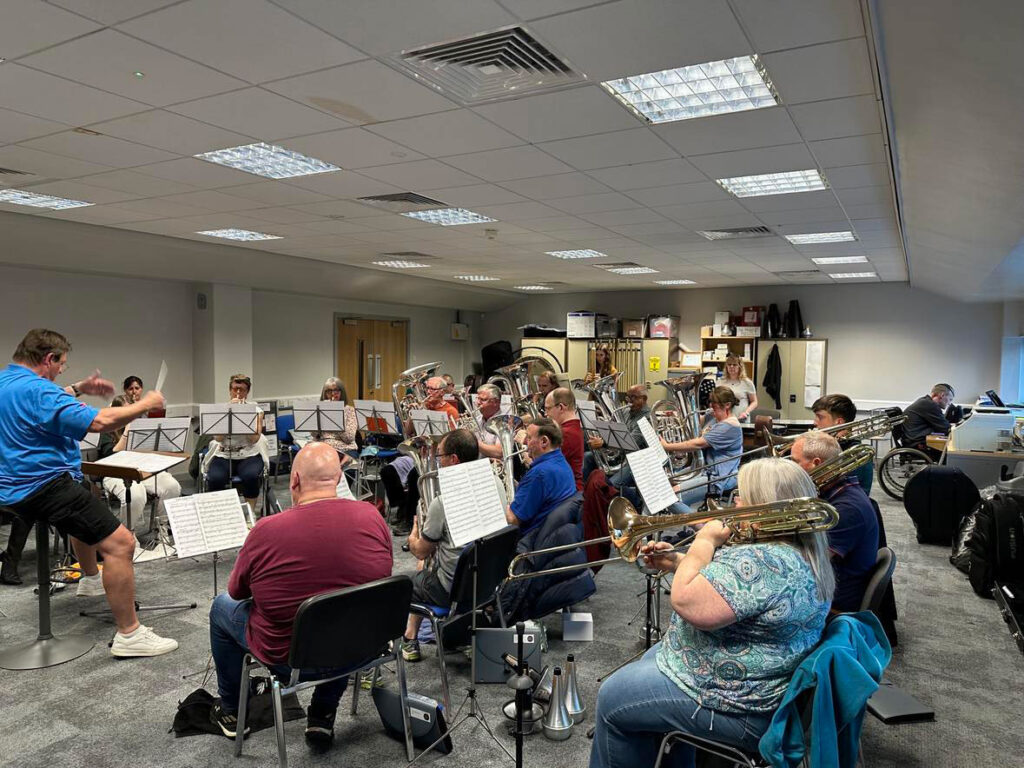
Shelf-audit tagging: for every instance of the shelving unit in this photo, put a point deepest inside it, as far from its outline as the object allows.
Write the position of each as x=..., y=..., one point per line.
x=736, y=347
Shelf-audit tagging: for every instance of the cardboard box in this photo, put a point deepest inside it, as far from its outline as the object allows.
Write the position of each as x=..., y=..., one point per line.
x=633, y=329
x=607, y=327
x=751, y=316
x=748, y=331
x=662, y=327
x=577, y=626
x=707, y=330
x=721, y=318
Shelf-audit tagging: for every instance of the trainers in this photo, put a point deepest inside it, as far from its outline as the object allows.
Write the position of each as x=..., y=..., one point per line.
x=228, y=724
x=411, y=650
x=319, y=729
x=366, y=680
x=90, y=586
x=142, y=642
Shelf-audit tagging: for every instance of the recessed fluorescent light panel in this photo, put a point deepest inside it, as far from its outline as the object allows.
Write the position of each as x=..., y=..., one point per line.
x=852, y=275
x=821, y=237
x=476, y=278
x=633, y=271
x=775, y=183
x=713, y=88
x=674, y=282
x=449, y=217
x=238, y=234
x=840, y=260
x=268, y=160
x=34, y=200
x=399, y=264
x=533, y=287
x=585, y=253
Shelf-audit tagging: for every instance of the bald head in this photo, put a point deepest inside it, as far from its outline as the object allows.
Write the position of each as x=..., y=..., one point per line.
x=316, y=472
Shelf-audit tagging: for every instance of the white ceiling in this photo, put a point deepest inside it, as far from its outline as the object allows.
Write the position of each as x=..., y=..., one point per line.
x=565, y=170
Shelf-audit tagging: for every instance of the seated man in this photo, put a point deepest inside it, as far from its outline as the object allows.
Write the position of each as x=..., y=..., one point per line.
x=321, y=544
x=549, y=480
x=432, y=546
x=488, y=404
x=560, y=407
x=636, y=396
x=853, y=543
x=925, y=416
x=833, y=410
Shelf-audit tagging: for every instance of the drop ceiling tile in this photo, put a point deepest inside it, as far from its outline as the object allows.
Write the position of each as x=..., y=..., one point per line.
x=853, y=150
x=532, y=9
x=374, y=27
x=76, y=190
x=747, y=162
x=420, y=174
x=836, y=118
x=792, y=23
x=560, y=185
x=111, y=11
x=702, y=211
x=816, y=72
x=108, y=60
x=363, y=92
x=260, y=114
x=650, y=228
x=29, y=26
x=107, y=150
x=611, y=201
x=225, y=34
x=198, y=173
x=139, y=184
x=344, y=209
x=618, y=218
x=560, y=115
x=637, y=36
x=54, y=98
x=642, y=175
x=212, y=201
x=863, y=195
x=352, y=148
x=447, y=133
x=678, y=194
x=729, y=221
x=473, y=195
x=509, y=164
x=99, y=214
x=171, y=132
x=275, y=193
x=876, y=174
x=159, y=208
x=637, y=145
x=14, y=126
x=336, y=227
x=802, y=216
x=555, y=224
x=282, y=215
x=824, y=198
x=869, y=211
x=518, y=211
x=45, y=164
x=724, y=133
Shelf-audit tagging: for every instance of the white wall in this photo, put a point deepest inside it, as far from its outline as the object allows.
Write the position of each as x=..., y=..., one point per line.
x=293, y=340
x=887, y=342
x=123, y=326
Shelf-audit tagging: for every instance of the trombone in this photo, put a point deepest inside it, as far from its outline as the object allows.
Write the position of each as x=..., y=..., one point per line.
x=628, y=529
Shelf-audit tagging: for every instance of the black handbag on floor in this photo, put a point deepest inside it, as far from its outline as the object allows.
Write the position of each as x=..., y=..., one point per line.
x=937, y=498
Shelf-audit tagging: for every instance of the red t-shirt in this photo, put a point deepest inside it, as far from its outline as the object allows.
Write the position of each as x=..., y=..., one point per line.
x=301, y=552
x=572, y=448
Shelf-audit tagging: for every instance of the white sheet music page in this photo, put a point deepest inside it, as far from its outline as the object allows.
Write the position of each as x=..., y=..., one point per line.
x=651, y=437
x=222, y=519
x=651, y=480
x=344, y=492
x=184, y=521
x=162, y=376
x=472, y=506
x=144, y=462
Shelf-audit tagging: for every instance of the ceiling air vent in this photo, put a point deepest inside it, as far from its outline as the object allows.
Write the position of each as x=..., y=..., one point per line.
x=411, y=255
x=735, y=233
x=402, y=202
x=492, y=65
x=13, y=172
x=797, y=275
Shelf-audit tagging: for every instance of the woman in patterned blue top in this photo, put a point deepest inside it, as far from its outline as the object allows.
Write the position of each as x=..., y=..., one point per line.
x=744, y=618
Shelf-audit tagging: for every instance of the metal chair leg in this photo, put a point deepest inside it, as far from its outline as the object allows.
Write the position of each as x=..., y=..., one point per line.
x=243, y=703
x=353, y=682
x=445, y=694
x=403, y=698
x=282, y=756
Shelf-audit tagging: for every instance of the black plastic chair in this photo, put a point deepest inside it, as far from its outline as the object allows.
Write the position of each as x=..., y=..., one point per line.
x=348, y=629
x=493, y=554
x=880, y=577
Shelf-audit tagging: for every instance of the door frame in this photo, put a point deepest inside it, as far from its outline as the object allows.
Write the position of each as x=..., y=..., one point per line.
x=338, y=316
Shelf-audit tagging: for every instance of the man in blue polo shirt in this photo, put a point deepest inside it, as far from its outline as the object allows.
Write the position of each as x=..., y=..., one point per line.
x=547, y=483
x=41, y=475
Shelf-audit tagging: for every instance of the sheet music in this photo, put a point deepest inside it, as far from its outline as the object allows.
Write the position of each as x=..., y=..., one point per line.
x=173, y=432
x=344, y=491
x=472, y=505
x=375, y=416
x=651, y=480
x=162, y=376
x=144, y=462
x=206, y=522
x=506, y=405
x=430, y=422
x=651, y=437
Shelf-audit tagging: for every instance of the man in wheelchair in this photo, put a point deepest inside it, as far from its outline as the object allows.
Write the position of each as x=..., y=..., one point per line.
x=928, y=415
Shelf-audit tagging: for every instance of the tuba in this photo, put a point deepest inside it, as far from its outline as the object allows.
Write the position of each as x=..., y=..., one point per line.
x=414, y=379
x=422, y=449
x=606, y=398
x=686, y=424
x=504, y=428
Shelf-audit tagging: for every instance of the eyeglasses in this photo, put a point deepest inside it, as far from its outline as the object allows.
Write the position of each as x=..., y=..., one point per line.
x=332, y=391
x=436, y=389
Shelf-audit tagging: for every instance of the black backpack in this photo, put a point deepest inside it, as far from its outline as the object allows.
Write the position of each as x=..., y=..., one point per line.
x=990, y=543
x=937, y=498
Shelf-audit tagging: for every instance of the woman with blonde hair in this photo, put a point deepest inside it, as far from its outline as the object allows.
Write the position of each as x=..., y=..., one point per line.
x=744, y=617
x=734, y=378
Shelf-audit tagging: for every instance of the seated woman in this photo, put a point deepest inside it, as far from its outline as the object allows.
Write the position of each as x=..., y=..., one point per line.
x=720, y=441
x=744, y=618
x=161, y=486
x=343, y=442
x=241, y=455
x=746, y=393
x=602, y=366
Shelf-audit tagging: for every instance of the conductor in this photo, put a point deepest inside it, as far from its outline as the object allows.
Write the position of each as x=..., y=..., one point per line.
x=41, y=475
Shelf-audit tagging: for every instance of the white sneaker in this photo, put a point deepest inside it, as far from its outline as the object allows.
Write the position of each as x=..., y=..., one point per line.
x=90, y=586
x=142, y=642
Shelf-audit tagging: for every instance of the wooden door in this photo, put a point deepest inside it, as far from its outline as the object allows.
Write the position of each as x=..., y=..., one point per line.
x=390, y=354
x=370, y=355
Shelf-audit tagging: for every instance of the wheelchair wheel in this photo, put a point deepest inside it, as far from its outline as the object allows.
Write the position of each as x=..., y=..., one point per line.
x=898, y=466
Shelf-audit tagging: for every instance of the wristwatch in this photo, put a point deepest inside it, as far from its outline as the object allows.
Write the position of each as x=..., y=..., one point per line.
x=77, y=392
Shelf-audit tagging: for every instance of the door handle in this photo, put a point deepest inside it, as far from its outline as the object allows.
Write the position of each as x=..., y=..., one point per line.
x=369, y=371
x=376, y=369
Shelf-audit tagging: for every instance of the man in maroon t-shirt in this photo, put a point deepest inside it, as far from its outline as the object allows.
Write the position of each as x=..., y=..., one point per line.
x=560, y=407
x=320, y=544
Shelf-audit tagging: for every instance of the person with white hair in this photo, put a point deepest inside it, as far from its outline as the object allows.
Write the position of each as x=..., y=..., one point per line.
x=744, y=617
x=853, y=543
x=343, y=441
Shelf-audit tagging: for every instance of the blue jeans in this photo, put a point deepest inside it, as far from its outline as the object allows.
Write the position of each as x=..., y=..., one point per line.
x=639, y=704
x=249, y=471
x=228, y=620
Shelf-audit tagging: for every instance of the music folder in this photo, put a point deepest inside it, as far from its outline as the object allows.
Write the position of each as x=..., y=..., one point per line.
x=375, y=416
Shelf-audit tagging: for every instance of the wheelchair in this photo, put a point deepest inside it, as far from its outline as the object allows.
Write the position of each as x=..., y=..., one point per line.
x=901, y=463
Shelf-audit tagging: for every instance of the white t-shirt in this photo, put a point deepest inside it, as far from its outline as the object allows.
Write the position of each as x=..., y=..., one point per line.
x=743, y=389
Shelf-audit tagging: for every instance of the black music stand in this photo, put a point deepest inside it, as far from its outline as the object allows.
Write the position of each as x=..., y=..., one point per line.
x=212, y=421
x=46, y=650
x=319, y=416
x=159, y=435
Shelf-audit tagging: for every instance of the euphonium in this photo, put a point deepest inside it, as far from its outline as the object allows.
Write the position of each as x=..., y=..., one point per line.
x=501, y=426
x=684, y=391
x=422, y=449
x=414, y=379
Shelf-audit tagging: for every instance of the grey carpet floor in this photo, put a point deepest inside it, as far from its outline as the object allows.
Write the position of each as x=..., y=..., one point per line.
x=955, y=654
